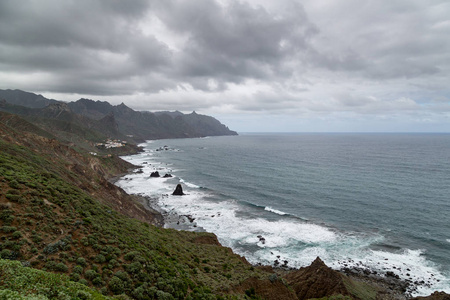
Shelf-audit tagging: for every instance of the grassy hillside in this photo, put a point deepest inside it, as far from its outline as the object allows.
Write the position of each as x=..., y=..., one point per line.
x=49, y=220
x=19, y=282
x=66, y=232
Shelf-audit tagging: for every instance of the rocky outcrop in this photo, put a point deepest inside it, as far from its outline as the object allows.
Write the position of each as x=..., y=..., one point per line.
x=434, y=296
x=317, y=281
x=167, y=175
x=155, y=174
x=178, y=191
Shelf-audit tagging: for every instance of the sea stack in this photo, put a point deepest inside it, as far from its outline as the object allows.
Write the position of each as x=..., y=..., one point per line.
x=178, y=191
x=155, y=174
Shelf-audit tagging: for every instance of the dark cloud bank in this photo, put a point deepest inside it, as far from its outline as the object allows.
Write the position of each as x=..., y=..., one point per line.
x=309, y=59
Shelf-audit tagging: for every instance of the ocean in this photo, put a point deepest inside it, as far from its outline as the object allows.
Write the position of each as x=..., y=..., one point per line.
x=375, y=201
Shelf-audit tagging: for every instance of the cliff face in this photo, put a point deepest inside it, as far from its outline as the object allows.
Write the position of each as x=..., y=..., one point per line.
x=147, y=125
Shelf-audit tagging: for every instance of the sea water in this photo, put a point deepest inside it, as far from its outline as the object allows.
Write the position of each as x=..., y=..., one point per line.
x=375, y=201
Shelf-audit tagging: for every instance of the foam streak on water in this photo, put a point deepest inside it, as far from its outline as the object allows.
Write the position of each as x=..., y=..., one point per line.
x=267, y=233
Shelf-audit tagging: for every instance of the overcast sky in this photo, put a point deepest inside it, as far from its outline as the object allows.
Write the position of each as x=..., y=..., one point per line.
x=285, y=65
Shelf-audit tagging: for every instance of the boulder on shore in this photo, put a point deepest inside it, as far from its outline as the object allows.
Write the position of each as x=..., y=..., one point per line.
x=434, y=296
x=155, y=174
x=167, y=175
x=178, y=191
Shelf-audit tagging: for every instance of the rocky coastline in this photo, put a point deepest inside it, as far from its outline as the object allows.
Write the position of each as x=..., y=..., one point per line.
x=314, y=281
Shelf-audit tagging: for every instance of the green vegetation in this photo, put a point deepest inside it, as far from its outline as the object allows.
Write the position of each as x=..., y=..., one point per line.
x=360, y=289
x=67, y=233
x=50, y=224
x=19, y=282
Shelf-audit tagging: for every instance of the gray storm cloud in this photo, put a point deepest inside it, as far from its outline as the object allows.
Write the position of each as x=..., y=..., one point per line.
x=232, y=56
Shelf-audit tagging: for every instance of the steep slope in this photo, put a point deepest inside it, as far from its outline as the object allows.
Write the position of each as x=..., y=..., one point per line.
x=206, y=125
x=73, y=129
x=58, y=213
x=19, y=282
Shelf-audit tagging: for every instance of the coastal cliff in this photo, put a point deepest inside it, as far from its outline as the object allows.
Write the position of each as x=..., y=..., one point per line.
x=72, y=233
x=98, y=120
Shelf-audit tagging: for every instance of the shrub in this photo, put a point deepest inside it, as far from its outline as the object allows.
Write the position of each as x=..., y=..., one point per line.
x=163, y=295
x=14, y=184
x=122, y=275
x=75, y=277
x=83, y=281
x=116, y=285
x=81, y=261
x=60, y=267
x=5, y=253
x=97, y=281
x=91, y=274
x=100, y=258
x=8, y=229
x=131, y=255
x=78, y=269
x=133, y=267
x=83, y=295
x=13, y=197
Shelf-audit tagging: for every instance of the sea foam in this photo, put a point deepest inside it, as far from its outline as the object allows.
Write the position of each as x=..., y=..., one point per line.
x=286, y=239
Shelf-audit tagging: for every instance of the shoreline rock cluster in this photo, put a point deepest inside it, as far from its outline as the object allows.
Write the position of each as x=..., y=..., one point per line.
x=317, y=280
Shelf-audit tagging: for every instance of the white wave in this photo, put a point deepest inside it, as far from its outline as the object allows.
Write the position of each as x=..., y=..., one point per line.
x=291, y=240
x=278, y=212
x=191, y=185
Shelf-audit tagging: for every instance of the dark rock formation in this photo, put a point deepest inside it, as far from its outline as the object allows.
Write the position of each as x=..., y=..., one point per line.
x=178, y=191
x=261, y=239
x=167, y=175
x=434, y=296
x=318, y=281
x=155, y=174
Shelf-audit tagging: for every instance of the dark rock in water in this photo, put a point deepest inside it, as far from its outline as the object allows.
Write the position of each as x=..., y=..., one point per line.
x=262, y=239
x=178, y=191
x=167, y=175
x=155, y=174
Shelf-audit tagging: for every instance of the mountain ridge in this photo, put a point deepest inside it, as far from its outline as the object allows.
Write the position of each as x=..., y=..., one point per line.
x=137, y=125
